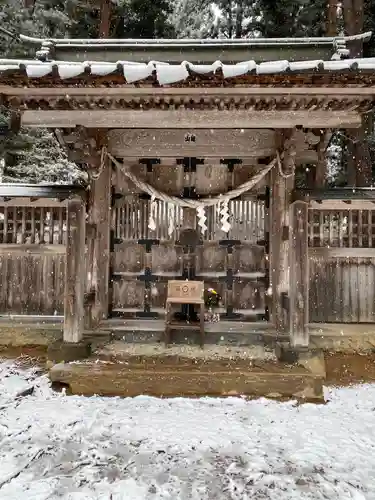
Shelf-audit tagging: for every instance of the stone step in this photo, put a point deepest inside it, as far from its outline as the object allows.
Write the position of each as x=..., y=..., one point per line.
x=185, y=372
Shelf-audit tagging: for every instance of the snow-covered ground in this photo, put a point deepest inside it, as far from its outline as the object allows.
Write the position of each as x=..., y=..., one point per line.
x=56, y=446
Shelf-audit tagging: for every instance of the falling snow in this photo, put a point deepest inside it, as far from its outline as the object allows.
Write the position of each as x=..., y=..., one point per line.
x=58, y=446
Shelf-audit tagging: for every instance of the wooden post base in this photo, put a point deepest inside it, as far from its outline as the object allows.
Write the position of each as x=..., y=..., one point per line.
x=285, y=353
x=311, y=359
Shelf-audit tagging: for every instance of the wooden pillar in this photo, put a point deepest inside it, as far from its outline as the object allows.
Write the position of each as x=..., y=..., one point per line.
x=277, y=225
x=280, y=193
x=75, y=272
x=299, y=274
x=281, y=187
x=100, y=217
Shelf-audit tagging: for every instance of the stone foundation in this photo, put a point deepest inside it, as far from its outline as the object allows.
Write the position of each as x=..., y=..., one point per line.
x=60, y=352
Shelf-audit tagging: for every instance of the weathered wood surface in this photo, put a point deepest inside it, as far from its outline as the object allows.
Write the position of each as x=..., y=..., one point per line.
x=184, y=119
x=299, y=273
x=210, y=261
x=39, y=225
x=75, y=273
x=33, y=203
x=100, y=218
x=342, y=263
x=32, y=256
x=281, y=184
x=339, y=205
x=211, y=178
x=32, y=283
x=342, y=290
x=24, y=250
x=276, y=258
x=345, y=228
x=127, y=92
x=208, y=144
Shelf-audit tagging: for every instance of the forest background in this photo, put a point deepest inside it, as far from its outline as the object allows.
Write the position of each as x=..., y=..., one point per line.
x=34, y=155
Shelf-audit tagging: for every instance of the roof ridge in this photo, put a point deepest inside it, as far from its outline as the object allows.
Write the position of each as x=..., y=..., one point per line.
x=192, y=41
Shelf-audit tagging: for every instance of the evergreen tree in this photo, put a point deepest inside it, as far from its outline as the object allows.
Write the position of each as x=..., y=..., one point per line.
x=42, y=161
x=290, y=18
x=194, y=19
x=249, y=18
x=31, y=155
x=369, y=25
x=219, y=19
x=142, y=19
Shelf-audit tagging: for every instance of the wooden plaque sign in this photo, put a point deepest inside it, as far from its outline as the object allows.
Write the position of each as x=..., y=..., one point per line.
x=186, y=292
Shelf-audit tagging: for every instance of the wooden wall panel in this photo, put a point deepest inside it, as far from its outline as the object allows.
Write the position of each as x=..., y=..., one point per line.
x=342, y=290
x=32, y=284
x=342, y=263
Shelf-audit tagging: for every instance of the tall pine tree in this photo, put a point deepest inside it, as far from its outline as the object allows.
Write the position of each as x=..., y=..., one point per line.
x=33, y=155
x=290, y=18
x=142, y=19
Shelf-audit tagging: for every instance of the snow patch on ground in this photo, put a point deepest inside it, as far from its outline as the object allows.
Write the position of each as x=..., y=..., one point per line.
x=56, y=446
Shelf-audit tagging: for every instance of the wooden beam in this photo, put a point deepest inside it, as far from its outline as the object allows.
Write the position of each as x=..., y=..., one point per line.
x=157, y=143
x=344, y=194
x=130, y=92
x=75, y=273
x=302, y=157
x=30, y=202
x=326, y=253
x=342, y=205
x=184, y=119
x=211, y=144
x=25, y=249
x=321, y=165
x=299, y=275
x=59, y=191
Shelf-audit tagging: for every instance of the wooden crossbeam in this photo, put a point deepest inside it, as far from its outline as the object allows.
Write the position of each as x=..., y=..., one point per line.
x=344, y=194
x=210, y=92
x=184, y=119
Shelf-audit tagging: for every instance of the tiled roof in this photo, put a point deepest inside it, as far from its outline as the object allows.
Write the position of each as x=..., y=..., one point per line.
x=197, y=50
x=169, y=74
x=183, y=42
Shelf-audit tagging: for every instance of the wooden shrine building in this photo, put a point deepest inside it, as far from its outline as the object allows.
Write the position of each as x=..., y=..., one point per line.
x=192, y=148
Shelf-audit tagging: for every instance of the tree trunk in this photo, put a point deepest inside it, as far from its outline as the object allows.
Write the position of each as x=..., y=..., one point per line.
x=105, y=18
x=359, y=168
x=332, y=18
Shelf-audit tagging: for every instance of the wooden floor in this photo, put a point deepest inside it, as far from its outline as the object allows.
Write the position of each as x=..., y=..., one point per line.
x=33, y=331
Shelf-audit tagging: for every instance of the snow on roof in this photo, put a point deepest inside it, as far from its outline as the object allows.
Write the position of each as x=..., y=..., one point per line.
x=173, y=73
x=157, y=42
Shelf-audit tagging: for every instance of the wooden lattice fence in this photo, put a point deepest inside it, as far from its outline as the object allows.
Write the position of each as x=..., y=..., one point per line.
x=32, y=257
x=342, y=264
